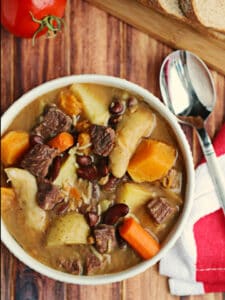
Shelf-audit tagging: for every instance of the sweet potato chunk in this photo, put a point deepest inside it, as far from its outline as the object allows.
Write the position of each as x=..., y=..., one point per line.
x=8, y=198
x=70, y=104
x=151, y=161
x=13, y=145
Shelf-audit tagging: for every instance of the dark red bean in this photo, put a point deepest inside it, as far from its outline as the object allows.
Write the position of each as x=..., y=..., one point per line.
x=116, y=107
x=36, y=139
x=115, y=212
x=103, y=168
x=89, y=172
x=54, y=170
x=92, y=218
x=84, y=160
x=114, y=120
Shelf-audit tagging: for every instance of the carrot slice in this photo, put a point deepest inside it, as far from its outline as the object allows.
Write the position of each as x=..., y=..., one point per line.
x=62, y=141
x=138, y=238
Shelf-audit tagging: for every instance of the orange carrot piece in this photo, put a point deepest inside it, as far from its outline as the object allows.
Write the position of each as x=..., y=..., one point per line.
x=138, y=238
x=62, y=141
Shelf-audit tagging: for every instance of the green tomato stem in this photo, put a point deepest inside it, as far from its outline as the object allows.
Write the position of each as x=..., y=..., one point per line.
x=52, y=23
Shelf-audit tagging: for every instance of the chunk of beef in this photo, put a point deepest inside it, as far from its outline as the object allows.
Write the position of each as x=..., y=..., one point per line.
x=92, y=263
x=103, y=139
x=54, y=122
x=48, y=195
x=160, y=209
x=71, y=266
x=38, y=160
x=105, y=238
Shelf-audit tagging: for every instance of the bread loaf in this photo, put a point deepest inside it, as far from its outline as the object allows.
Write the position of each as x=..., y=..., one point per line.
x=173, y=9
x=208, y=13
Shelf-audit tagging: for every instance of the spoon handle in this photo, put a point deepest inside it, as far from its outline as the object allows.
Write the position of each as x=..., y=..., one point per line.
x=213, y=165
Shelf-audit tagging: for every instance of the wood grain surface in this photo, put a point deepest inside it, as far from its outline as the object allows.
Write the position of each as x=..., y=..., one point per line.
x=169, y=30
x=91, y=42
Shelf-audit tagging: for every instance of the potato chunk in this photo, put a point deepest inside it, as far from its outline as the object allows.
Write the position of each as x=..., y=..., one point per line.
x=25, y=187
x=134, y=195
x=95, y=101
x=129, y=132
x=67, y=174
x=69, y=229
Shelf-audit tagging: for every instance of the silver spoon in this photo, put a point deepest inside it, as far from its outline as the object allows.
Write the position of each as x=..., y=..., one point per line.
x=188, y=90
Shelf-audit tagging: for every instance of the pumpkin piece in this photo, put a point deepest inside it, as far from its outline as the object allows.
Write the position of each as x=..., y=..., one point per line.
x=70, y=104
x=151, y=161
x=13, y=146
x=62, y=141
x=8, y=198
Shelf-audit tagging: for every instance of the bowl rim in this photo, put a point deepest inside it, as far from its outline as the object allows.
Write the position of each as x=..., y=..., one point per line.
x=156, y=104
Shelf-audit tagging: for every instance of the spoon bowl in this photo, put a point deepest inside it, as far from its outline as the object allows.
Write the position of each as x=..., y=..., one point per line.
x=188, y=90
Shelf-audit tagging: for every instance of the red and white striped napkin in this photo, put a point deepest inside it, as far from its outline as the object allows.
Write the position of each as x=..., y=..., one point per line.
x=196, y=264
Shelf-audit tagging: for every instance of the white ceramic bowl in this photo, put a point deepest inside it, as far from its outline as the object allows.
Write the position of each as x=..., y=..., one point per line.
x=30, y=96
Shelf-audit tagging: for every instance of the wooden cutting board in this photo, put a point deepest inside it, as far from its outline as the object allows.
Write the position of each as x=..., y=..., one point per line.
x=168, y=30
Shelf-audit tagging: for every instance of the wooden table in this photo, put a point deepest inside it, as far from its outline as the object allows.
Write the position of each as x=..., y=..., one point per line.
x=91, y=42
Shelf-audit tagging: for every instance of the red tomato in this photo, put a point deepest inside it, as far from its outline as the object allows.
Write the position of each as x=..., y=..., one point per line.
x=31, y=18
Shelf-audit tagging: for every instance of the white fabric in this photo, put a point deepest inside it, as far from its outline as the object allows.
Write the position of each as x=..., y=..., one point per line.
x=180, y=262
x=185, y=288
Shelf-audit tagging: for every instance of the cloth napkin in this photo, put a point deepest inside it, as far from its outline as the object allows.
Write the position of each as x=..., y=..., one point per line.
x=196, y=264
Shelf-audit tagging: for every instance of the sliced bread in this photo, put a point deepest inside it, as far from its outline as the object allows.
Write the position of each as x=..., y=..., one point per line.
x=209, y=13
x=173, y=8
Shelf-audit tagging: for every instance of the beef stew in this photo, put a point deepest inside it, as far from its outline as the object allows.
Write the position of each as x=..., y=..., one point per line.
x=71, y=194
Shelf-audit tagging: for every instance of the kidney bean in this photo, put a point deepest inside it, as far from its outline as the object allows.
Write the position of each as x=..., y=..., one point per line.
x=115, y=212
x=36, y=139
x=92, y=218
x=84, y=160
x=54, y=170
x=103, y=168
x=88, y=172
x=114, y=120
x=116, y=107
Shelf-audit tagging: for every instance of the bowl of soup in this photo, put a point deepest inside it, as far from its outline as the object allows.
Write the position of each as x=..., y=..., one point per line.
x=96, y=179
